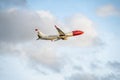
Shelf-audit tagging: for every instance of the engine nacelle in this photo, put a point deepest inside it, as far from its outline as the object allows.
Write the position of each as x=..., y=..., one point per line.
x=77, y=32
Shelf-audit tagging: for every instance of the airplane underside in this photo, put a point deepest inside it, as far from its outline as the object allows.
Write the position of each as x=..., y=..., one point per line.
x=53, y=38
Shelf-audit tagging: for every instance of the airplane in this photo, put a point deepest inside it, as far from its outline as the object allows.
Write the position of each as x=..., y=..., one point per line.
x=61, y=36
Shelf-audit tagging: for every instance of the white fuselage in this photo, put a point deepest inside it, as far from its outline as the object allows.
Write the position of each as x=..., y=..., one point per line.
x=61, y=35
x=55, y=37
x=50, y=37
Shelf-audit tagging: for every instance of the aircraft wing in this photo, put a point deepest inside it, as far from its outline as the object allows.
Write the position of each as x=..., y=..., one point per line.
x=61, y=33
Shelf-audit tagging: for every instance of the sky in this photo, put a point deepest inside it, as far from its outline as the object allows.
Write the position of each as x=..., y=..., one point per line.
x=95, y=55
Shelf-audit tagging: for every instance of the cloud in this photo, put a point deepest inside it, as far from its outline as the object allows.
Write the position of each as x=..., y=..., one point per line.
x=44, y=60
x=37, y=55
x=108, y=10
x=47, y=61
x=17, y=68
x=46, y=57
x=114, y=66
x=82, y=76
x=12, y=3
x=17, y=30
x=18, y=25
x=15, y=25
x=81, y=22
x=111, y=77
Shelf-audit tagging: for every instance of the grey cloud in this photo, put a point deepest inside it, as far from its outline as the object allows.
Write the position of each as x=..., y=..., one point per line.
x=82, y=76
x=42, y=58
x=50, y=64
x=85, y=76
x=45, y=68
x=98, y=41
x=15, y=25
x=18, y=25
x=12, y=3
x=94, y=66
x=46, y=57
x=114, y=66
x=79, y=68
x=111, y=77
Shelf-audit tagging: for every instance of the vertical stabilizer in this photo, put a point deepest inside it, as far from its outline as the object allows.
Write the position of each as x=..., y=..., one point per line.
x=39, y=34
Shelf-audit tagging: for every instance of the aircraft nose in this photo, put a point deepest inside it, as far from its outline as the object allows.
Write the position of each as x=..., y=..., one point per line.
x=81, y=32
x=77, y=32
